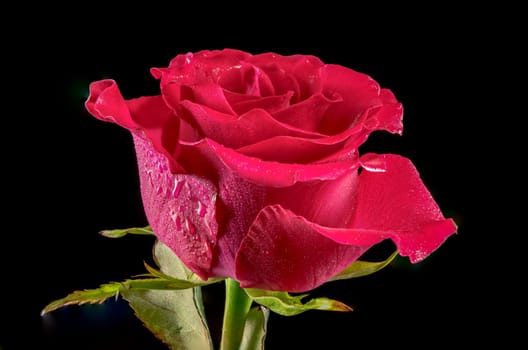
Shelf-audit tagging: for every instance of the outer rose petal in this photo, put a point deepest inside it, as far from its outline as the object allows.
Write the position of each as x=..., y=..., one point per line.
x=180, y=208
x=284, y=252
x=149, y=115
x=395, y=204
x=328, y=203
x=238, y=204
x=106, y=103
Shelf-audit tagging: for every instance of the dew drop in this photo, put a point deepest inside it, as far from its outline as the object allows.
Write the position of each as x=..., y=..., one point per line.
x=177, y=222
x=178, y=184
x=190, y=227
x=200, y=209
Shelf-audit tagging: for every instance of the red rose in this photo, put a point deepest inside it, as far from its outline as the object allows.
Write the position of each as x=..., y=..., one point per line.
x=249, y=167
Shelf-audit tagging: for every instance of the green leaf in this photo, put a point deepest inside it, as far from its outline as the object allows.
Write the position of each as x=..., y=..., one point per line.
x=173, y=316
x=88, y=296
x=176, y=317
x=288, y=305
x=255, y=329
x=363, y=268
x=123, y=232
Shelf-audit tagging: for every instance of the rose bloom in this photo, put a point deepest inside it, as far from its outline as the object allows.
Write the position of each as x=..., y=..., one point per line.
x=249, y=167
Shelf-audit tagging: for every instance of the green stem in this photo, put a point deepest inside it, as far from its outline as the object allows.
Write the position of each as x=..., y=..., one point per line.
x=237, y=304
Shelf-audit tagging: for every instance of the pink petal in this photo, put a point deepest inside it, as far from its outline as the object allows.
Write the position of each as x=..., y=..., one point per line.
x=211, y=95
x=238, y=204
x=247, y=79
x=387, y=116
x=199, y=72
x=180, y=208
x=307, y=114
x=235, y=98
x=207, y=155
x=270, y=104
x=288, y=149
x=282, y=251
x=301, y=150
x=328, y=203
x=191, y=68
x=106, y=103
x=395, y=204
x=376, y=118
x=283, y=81
x=148, y=115
x=359, y=92
x=234, y=132
x=304, y=69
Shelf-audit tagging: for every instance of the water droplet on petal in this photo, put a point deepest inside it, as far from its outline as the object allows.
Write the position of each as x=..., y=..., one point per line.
x=178, y=184
x=200, y=209
x=177, y=222
x=190, y=228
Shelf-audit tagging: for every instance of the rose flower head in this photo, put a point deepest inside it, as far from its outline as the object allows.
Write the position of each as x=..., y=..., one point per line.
x=249, y=167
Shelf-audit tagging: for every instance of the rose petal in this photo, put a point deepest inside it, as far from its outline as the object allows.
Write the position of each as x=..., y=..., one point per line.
x=282, y=251
x=270, y=104
x=234, y=132
x=303, y=68
x=148, y=115
x=311, y=200
x=190, y=68
x=288, y=149
x=211, y=95
x=236, y=97
x=359, y=92
x=386, y=117
x=238, y=204
x=396, y=204
x=283, y=82
x=180, y=208
x=303, y=150
x=106, y=103
x=247, y=79
x=199, y=71
x=377, y=118
x=307, y=114
x=206, y=156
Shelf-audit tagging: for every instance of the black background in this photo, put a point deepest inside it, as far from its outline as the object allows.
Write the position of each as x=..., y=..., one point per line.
x=69, y=176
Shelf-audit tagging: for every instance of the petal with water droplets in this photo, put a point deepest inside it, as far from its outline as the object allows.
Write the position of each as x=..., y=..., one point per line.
x=180, y=208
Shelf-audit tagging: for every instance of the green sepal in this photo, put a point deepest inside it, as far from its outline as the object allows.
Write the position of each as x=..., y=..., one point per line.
x=255, y=329
x=88, y=296
x=288, y=305
x=363, y=268
x=108, y=290
x=118, y=233
x=177, y=282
